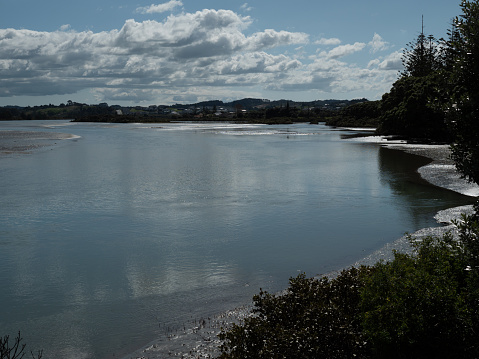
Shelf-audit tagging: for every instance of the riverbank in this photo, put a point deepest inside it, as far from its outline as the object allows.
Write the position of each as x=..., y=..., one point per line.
x=200, y=339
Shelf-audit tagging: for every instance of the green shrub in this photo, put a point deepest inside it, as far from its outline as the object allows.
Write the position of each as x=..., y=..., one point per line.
x=315, y=318
x=417, y=305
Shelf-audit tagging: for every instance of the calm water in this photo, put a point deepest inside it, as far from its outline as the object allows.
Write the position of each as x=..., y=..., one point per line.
x=107, y=239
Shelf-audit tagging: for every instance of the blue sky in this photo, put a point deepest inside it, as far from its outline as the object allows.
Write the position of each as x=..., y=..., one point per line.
x=183, y=51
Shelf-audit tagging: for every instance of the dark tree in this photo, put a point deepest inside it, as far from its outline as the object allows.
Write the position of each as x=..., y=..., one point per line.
x=421, y=57
x=411, y=109
x=414, y=106
x=464, y=101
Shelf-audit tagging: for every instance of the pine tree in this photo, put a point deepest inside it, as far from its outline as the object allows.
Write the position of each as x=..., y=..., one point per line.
x=421, y=58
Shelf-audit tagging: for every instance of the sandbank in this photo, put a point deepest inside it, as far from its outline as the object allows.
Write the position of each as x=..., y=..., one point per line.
x=22, y=142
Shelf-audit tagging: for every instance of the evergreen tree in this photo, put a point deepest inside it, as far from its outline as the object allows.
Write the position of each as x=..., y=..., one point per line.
x=421, y=58
x=413, y=108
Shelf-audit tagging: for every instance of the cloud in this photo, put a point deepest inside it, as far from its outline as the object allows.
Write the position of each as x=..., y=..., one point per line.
x=344, y=50
x=160, y=8
x=392, y=62
x=203, y=55
x=328, y=42
x=378, y=44
x=246, y=7
x=205, y=48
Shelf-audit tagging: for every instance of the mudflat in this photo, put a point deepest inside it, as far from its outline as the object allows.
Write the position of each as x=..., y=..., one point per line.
x=12, y=141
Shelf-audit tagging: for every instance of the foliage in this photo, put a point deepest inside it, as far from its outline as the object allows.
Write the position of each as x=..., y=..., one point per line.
x=362, y=114
x=464, y=100
x=315, y=318
x=419, y=306
x=414, y=106
x=15, y=350
x=421, y=58
x=410, y=109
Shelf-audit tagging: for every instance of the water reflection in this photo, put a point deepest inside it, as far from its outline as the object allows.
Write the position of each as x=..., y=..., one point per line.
x=398, y=170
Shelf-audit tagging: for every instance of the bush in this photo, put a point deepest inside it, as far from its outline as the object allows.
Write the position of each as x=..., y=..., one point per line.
x=417, y=305
x=315, y=318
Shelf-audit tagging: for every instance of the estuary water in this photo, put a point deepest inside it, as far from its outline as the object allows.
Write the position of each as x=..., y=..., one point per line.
x=113, y=236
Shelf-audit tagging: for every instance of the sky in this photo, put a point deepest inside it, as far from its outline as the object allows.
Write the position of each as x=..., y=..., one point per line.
x=185, y=51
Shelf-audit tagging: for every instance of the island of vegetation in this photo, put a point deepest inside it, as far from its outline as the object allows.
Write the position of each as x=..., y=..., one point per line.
x=419, y=305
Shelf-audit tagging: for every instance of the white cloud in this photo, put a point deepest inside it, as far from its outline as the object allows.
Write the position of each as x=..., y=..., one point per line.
x=378, y=44
x=160, y=8
x=392, y=62
x=246, y=7
x=373, y=63
x=328, y=42
x=344, y=50
x=206, y=48
x=203, y=55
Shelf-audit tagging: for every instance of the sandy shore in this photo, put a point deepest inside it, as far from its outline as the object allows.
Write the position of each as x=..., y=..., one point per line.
x=201, y=340
x=21, y=142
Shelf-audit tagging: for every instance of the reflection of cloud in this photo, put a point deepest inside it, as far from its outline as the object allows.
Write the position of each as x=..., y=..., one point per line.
x=175, y=277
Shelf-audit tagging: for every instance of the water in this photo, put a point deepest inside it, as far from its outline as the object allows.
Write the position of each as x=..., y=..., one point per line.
x=110, y=238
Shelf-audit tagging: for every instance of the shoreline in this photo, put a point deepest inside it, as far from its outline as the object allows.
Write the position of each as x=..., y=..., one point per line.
x=201, y=340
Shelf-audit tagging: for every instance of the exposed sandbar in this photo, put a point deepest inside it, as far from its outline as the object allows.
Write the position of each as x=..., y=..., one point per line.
x=12, y=141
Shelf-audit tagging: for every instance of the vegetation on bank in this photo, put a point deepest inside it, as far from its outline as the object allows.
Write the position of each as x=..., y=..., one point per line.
x=419, y=305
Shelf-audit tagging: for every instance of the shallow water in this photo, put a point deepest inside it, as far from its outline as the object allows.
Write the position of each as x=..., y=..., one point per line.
x=113, y=238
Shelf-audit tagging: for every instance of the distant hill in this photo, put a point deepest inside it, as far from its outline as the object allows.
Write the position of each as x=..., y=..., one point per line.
x=255, y=103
